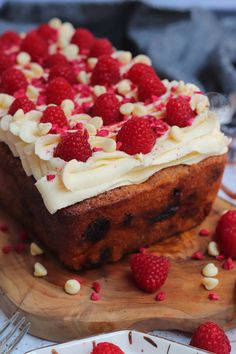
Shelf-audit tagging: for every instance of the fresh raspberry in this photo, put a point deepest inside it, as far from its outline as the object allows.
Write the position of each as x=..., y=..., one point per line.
x=138, y=71
x=55, y=59
x=226, y=234
x=56, y=116
x=12, y=80
x=107, y=106
x=74, y=146
x=158, y=126
x=106, y=71
x=150, y=86
x=179, y=112
x=106, y=348
x=228, y=264
x=101, y=46
x=66, y=71
x=136, y=136
x=58, y=90
x=210, y=336
x=84, y=39
x=6, y=62
x=149, y=271
x=21, y=103
x=10, y=39
x=47, y=33
x=35, y=46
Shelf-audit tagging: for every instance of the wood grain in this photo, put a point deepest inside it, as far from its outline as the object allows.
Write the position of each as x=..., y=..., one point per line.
x=57, y=316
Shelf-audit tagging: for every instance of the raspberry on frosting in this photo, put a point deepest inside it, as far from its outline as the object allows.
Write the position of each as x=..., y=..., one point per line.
x=47, y=33
x=65, y=70
x=101, y=46
x=74, y=145
x=179, y=112
x=12, y=80
x=150, y=86
x=58, y=90
x=106, y=71
x=84, y=39
x=6, y=62
x=55, y=59
x=138, y=71
x=107, y=106
x=136, y=136
x=35, y=46
x=56, y=116
x=9, y=39
x=21, y=103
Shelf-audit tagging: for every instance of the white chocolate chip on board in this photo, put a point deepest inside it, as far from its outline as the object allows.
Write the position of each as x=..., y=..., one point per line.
x=176, y=133
x=35, y=250
x=210, y=283
x=213, y=249
x=126, y=108
x=72, y=287
x=40, y=270
x=210, y=270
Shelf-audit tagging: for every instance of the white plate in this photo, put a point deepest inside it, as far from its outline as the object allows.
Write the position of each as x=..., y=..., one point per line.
x=131, y=342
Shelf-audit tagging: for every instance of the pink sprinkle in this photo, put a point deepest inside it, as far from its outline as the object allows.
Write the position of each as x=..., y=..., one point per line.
x=228, y=264
x=204, y=232
x=96, y=286
x=50, y=177
x=142, y=250
x=102, y=132
x=19, y=248
x=94, y=297
x=118, y=145
x=7, y=249
x=95, y=149
x=23, y=236
x=4, y=228
x=198, y=255
x=160, y=296
x=220, y=257
x=213, y=296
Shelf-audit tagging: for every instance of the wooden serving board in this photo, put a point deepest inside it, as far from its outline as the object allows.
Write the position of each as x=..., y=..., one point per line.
x=54, y=315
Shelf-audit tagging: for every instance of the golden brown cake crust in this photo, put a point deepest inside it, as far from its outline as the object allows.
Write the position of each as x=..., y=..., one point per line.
x=106, y=227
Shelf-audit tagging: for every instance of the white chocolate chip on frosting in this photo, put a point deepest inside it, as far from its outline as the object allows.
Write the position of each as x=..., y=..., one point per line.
x=36, y=69
x=213, y=249
x=99, y=90
x=124, y=87
x=97, y=122
x=210, y=283
x=40, y=270
x=83, y=77
x=144, y=59
x=176, y=133
x=55, y=23
x=71, y=51
x=68, y=106
x=124, y=57
x=126, y=108
x=139, y=109
x=35, y=250
x=32, y=92
x=210, y=270
x=92, y=62
x=72, y=287
x=23, y=58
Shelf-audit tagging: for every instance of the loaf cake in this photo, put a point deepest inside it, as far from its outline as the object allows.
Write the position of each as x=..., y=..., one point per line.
x=99, y=156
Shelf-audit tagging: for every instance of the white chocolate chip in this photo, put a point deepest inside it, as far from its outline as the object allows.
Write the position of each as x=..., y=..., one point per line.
x=109, y=145
x=213, y=249
x=52, y=49
x=210, y=270
x=92, y=62
x=82, y=77
x=99, y=90
x=23, y=58
x=71, y=51
x=139, y=109
x=176, y=133
x=91, y=129
x=44, y=128
x=68, y=107
x=28, y=74
x=210, y=283
x=144, y=59
x=124, y=57
x=36, y=69
x=124, y=87
x=72, y=287
x=126, y=108
x=97, y=122
x=32, y=92
x=40, y=270
x=19, y=115
x=55, y=23
x=35, y=250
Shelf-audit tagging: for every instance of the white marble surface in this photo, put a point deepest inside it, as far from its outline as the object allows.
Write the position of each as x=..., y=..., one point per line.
x=29, y=342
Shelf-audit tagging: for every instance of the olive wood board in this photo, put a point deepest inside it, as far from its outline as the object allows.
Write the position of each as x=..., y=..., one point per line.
x=55, y=315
